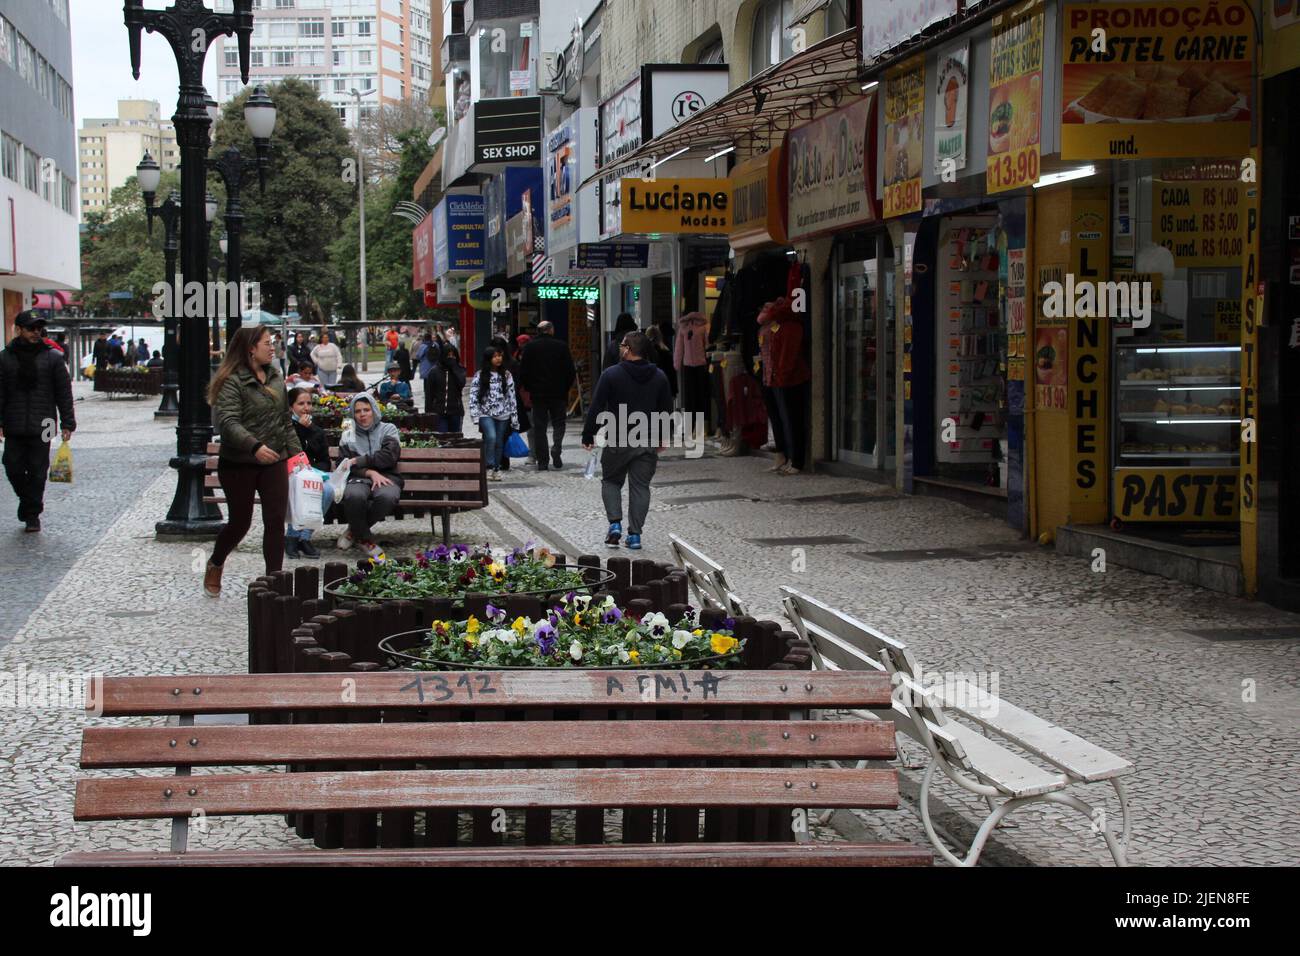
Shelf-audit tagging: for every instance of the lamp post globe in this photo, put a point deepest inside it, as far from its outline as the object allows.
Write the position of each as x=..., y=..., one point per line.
x=149, y=175
x=260, y=114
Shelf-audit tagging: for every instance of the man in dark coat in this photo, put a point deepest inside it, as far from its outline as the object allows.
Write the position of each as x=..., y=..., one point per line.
x=548, y=373
x=631, y=402
x=35, y=396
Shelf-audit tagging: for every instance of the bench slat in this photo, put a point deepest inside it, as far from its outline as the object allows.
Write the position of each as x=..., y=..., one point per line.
x=1076, y=756
x=106, y=747
x=560, y=687
x=142, y=798
x=656, y=854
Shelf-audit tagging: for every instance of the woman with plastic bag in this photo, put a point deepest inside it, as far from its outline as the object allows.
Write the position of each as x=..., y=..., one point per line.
x=251, y=414
x=372, y=447
x=316, y=446
x=493, y=405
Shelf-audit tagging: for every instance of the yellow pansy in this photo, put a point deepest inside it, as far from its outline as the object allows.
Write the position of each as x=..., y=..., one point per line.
x=577, y=619
x=472, y=624
x=496, y=570
x=677, y=653
x=635, y=655
x=471, y=640
x=697, y=632
x=721, y=644
x=519, y=626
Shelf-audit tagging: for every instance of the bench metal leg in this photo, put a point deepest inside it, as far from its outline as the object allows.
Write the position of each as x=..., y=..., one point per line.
x=1007, y=807
x=446, y=527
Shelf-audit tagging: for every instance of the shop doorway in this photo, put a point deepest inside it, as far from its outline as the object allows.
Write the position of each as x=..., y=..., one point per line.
x=864, y=393
x=970, y=434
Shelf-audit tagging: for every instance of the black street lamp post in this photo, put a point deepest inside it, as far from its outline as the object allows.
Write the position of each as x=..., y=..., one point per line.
x=170, y=214
x=190, y=27
x=236, y=172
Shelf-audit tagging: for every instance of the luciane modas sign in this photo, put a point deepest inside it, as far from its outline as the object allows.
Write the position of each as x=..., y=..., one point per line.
x=829, y=171
x=1171, y=79
x=676, y=205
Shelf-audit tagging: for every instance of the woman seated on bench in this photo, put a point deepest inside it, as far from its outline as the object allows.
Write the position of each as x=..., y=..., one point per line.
x=374, y=485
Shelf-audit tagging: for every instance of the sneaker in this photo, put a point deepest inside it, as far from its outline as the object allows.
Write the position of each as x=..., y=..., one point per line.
x=557, y=464
x=788, y=469
x=615, y=533
x=345, y=541
x=291, y=548
x=32, y=525
x=780, y=465
x=307, y=549
x=494, y=475
x=374, y=552
x=634, y=542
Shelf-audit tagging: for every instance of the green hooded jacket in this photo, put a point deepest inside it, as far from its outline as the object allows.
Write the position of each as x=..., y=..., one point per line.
x=248, y=414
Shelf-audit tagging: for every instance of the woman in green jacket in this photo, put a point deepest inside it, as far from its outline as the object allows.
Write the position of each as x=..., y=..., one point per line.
x=251, y=414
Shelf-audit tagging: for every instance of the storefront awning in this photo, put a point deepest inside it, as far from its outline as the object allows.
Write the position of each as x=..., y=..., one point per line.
x=755, y=115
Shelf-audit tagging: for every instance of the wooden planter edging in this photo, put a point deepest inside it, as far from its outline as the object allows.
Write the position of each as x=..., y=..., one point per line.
x=292, y=627
x=288, y=616
x=118, y=381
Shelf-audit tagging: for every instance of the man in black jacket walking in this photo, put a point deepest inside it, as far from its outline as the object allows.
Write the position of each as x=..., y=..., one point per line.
x=632, y=404
x=548, y=372
x=34, y=388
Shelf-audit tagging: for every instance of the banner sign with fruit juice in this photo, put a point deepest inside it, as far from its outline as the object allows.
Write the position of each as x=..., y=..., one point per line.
x=950, y=94
x=904, y=137
x=1142, y=80
x=1015, y=100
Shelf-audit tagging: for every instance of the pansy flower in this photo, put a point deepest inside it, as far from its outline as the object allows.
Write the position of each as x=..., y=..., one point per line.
x=495, y=614
x=729, y=624
x=575, y=651
x=721, y=644
x=519, y=626
x=611, y=615
x=472, y=625
x=681, y=639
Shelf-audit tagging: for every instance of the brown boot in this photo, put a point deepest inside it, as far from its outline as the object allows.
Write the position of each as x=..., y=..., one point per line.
x=212, y=580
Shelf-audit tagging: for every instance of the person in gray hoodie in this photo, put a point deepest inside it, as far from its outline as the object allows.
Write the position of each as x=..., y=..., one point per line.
x=374, y=485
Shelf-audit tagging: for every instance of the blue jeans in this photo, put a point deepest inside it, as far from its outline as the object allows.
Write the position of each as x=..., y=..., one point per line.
x=494, y=437
x=304, y=534
x=448, y=423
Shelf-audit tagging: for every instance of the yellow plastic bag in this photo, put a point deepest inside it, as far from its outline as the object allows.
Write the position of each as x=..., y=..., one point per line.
x=61, y=470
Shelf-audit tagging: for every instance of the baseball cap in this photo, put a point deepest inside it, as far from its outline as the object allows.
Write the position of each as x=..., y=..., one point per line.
x=29, y=319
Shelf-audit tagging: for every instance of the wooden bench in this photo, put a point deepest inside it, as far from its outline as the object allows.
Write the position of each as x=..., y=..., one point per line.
x=706, y=577
x=350, y=777
x=438, y=481
x=970, y=757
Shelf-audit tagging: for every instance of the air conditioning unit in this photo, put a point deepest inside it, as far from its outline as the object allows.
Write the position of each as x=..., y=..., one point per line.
x=551, y=73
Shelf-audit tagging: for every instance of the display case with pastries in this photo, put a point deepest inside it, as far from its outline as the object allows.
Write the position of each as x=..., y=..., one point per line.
x=1177, y=403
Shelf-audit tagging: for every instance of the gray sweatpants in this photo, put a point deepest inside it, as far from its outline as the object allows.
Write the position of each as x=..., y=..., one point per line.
x=364, y=505
x=637, y=466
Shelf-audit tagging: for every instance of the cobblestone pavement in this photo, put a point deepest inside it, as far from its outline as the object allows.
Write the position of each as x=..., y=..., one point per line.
x=1108, y=655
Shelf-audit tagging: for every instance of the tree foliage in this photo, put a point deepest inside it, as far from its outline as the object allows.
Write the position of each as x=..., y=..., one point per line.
x=388, y=242
x=382, y=130
x=287, y=232
x=118, y=254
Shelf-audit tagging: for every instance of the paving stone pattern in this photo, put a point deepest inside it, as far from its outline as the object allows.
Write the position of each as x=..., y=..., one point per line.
x=1107, y=655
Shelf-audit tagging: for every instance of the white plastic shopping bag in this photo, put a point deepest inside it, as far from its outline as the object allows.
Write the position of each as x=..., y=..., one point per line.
x=338, y=481
x=306, y=487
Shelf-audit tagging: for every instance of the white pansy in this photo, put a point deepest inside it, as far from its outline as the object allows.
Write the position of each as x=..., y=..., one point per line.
x=623, y=655
x=608, y=603
x=575, y=651
x=681, y=639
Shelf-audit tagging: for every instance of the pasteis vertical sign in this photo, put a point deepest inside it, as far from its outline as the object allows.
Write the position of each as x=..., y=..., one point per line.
x=904, y=137
x=1015, y=100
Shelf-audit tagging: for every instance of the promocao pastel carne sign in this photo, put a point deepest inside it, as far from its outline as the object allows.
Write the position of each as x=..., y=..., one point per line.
x=1144, y=80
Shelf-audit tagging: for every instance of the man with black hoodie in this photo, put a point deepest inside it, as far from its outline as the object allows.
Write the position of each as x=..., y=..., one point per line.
x=636, y=393
x=547, y=372
x=34, y=388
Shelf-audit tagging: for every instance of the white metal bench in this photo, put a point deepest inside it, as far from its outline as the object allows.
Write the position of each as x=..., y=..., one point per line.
x=973, y=760
x=706, y=578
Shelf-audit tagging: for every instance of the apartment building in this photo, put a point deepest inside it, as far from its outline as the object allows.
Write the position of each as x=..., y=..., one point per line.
x=110, y=149
x=38, y=155
x=383, y=48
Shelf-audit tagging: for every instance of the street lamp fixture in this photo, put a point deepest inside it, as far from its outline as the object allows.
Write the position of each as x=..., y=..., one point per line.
x=361, y=192
x=210, y=208
x=170, y=214
x=214, y=111
x=259, y=117
x=190, y=26
x=149, y=176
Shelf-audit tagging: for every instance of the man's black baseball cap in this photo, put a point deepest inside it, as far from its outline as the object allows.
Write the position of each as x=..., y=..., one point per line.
x=29, y=319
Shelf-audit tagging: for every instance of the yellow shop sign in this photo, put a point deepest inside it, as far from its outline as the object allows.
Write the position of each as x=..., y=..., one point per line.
x=1176, y=494
x=676, y=205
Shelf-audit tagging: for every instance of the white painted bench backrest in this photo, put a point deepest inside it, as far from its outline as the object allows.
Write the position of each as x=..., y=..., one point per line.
x=707, y=579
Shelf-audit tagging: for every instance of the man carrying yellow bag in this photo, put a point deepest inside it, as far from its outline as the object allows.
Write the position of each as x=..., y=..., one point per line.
x=35, y=397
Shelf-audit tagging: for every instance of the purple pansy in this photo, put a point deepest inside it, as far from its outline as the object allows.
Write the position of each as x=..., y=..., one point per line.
x=611, y=615
x=729, y=624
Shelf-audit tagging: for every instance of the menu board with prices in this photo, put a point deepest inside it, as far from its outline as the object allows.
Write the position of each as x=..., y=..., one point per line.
x=1199, y=221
